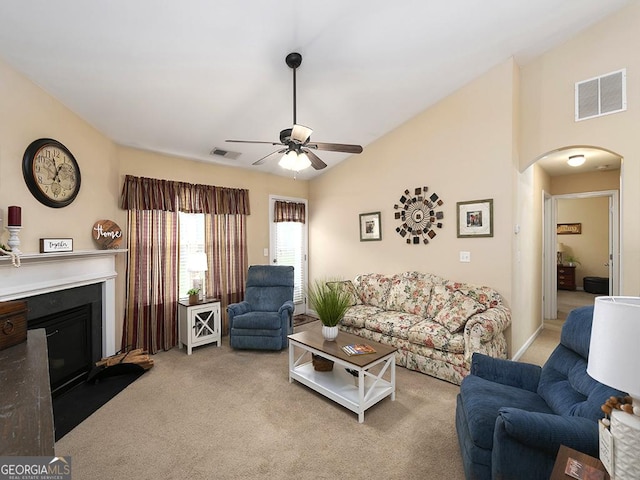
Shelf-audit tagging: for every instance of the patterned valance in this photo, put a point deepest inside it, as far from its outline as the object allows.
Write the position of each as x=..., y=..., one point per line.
x=289, y=212
x=140, y=193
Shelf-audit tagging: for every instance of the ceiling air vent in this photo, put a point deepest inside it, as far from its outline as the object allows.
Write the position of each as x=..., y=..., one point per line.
x=601, y=95
x=224, y=153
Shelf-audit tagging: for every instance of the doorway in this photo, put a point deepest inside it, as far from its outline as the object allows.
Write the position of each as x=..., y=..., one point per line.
x=554, y=163
x=288, y=245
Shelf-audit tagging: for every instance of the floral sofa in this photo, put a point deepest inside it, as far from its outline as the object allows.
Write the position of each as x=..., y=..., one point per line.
x=436, y=324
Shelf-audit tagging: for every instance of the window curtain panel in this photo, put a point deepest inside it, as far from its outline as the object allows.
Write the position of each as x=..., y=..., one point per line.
x=153, y=264
x=152, y=287
x=226, y=248
x=289, y=212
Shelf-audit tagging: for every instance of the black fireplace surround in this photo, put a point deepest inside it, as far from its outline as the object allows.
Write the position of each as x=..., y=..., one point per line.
x=72, y=319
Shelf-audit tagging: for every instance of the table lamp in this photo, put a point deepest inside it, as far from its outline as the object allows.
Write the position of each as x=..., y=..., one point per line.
x=614, y=360
x=197, y=264
x=560, y=251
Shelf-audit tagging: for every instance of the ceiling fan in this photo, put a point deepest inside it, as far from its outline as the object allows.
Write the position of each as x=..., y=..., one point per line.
x=297, y=154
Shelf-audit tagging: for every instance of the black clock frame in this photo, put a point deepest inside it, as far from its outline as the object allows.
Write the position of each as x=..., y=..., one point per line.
x=29, y=174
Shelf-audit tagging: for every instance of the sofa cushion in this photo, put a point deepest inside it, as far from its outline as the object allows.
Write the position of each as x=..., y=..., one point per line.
x=482, y=401
x=348, y=287
x=454, y=314
x=487, y=296
x=433, y=335
x=373, y=289
x=394, y=324
x=440, y=294
x=358, y=314
x=410, y=295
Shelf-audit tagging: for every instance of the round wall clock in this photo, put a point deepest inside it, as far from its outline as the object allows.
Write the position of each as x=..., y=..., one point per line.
x=418, y=215
x=51, y=172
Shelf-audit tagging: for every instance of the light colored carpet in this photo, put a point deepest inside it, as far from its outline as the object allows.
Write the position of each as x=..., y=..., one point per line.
x=567, y=301
x=226, y=414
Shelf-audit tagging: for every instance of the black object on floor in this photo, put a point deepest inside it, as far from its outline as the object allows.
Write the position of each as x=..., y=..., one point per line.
x=76, y=405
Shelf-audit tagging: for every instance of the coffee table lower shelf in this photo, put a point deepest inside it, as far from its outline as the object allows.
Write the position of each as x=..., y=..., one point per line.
x=357, y=393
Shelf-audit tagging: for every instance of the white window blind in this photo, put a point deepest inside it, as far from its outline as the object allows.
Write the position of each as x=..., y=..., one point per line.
x=290, y=250
x=191, y=227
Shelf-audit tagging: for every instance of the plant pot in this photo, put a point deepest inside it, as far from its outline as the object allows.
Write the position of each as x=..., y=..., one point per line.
x=329, y=333
x=193, y=299
x=321, y=364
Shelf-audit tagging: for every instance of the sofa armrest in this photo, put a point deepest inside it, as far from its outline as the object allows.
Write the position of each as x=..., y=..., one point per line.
x=486, y=325
x=547, y=431
x=506, y=372
x=484, y=329
x=525, y=444
x=238, y=308
x=287, y=306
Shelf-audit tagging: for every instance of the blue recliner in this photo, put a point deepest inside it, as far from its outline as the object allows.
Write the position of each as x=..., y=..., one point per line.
x=265, y=317
x=512, y=417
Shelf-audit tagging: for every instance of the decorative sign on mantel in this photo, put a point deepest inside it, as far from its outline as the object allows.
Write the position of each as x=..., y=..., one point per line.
x=107, y=234
x=49, y=245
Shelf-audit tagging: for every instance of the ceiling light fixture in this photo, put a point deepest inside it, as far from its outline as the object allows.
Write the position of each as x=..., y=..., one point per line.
x=576, y=160
x=295, y=160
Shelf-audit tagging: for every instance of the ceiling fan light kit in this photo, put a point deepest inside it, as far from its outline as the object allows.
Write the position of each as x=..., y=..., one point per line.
x=295, y=161
x=297, y=140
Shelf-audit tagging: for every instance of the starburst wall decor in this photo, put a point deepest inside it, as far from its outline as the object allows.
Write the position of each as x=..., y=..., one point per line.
x=418, y=215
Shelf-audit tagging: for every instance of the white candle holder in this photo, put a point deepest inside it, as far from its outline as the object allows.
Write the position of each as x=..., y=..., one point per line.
x=14, y=241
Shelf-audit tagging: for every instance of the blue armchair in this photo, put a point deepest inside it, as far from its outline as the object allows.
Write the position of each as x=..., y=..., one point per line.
x=265, y=317
x=512, y=417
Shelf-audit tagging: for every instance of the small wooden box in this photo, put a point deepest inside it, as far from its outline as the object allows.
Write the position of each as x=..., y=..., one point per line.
x=13, y=323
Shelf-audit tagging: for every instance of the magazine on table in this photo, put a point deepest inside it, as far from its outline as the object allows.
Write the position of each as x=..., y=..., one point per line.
x=358, y=349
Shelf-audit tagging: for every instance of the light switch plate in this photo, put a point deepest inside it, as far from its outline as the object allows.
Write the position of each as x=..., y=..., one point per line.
x=465, y=257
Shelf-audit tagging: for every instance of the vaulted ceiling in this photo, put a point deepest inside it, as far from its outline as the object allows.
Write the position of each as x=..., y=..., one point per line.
x=181, y=77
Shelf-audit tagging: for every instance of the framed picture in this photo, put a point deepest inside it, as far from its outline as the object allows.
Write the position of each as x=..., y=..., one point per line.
x=475, y=218
x=370, y=227
x=569, y=229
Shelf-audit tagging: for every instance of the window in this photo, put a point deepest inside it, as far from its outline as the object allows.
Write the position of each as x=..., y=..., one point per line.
x=288, y=246
x=191, y=228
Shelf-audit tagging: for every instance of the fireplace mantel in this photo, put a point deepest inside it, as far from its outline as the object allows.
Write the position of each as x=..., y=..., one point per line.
x=49, y=272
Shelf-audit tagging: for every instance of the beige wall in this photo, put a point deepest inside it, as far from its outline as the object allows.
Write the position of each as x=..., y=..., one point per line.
x=30, y=113
x=548, y=114
x=461, y=149
x=585, y=182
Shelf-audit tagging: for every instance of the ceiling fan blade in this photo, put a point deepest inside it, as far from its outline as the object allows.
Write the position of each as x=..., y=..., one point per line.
x=300, y=133
x=263, y=159
x=315, y=160
x=335, y=147
x=254, y=141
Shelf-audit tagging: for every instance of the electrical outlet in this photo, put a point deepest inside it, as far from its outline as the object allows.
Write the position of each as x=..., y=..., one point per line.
x=465, y=257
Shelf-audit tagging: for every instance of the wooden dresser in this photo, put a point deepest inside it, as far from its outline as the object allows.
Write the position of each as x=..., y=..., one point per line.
x=566, y=278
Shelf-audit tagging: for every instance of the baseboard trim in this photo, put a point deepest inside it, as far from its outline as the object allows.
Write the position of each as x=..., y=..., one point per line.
x=527, y=344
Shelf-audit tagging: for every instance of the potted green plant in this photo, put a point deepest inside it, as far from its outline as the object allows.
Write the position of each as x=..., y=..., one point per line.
x=193, y=295
x=572, y=261
x=330, y=302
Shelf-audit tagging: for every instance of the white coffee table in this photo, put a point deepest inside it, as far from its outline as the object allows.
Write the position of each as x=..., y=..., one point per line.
x=376, y=372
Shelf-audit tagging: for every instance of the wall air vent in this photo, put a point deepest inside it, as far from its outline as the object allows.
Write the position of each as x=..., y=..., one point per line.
x=224, y=153
x=601, y=95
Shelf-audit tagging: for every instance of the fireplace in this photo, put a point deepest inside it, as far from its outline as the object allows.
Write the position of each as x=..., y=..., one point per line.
x=68, y=292
x=72, y=319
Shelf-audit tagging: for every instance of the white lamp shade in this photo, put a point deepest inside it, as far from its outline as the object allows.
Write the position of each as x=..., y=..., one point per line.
x=614, y=351
x=197, y=262
x=295, y=161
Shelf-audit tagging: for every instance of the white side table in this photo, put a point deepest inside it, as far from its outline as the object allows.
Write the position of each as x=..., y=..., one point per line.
x=198, y=324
